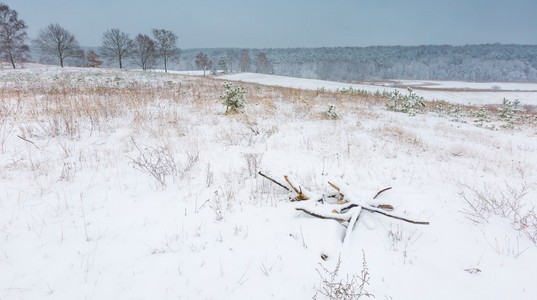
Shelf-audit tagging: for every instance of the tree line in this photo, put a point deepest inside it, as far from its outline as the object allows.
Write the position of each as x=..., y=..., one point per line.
x=227, y=59
x=489, y=62
x=56, y=42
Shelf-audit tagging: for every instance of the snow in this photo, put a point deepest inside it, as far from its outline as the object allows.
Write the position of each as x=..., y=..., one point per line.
x=463, y=85
x=79, y=221
x=450, y=91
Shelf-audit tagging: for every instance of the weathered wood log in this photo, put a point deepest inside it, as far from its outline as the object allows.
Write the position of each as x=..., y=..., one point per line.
x=300, y=195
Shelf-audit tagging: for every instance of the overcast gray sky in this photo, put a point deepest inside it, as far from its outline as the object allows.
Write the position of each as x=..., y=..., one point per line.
x=292, y=23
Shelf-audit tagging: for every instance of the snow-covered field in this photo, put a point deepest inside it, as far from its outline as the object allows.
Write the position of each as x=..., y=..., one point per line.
x=451, y=91
x=137, y=185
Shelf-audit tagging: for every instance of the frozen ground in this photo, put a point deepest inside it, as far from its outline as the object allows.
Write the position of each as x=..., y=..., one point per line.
x=451, y=91
x=81, y=219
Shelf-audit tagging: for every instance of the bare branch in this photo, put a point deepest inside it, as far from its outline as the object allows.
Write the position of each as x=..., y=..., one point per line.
x=382, y=191
x=300, y=196
x=324, y=216
x=274, y=181
x=352, y=222
x=28, y=141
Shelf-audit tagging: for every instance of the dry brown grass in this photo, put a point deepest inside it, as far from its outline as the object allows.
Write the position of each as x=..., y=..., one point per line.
x=305, y=104
x=400, y=135
x=62, y=105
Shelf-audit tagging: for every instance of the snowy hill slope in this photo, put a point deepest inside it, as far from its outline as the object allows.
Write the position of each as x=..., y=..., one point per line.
x=127, y=184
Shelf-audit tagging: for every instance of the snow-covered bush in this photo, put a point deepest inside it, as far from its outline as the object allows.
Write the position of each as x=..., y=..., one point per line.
x=507, y=112
x=506, y=203
x=331, y=112
x=321, y=90
x=410, y=104
x=158, y=162
x=233, y=97
x=480, y=117
x=456, y=113
x=353, y=91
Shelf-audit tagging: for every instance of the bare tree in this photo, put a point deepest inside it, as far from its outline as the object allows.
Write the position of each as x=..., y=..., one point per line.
x=12, y=36
x=116, y=46
x=222, y=65
x=166, y=45
x=203, y=62
x=262, y=63
x=93, y=60
x=230, y=55
x=56, y=41
x=145, y=51
x=245, y=62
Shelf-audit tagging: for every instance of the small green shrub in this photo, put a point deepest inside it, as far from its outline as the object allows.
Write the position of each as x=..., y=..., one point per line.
x=508, y=112
x=233, y=97
x=410, y=104
x=480, y=117
x=352, y=91
x=331, y=112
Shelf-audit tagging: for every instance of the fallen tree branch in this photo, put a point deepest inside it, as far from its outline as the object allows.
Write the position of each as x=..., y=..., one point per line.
x=374, y=210
x=274, y=181
x=339, y=195
x=352, y=222
x=335, y=187
x=345, y=217
x=300, y=195
x=385, y=207
x=323, y=216
x=382, y=191
x=27, y=140
x=345, y=211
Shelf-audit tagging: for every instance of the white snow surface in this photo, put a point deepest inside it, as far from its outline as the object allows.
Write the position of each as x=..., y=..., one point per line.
x=450, y=91
x=79, y=221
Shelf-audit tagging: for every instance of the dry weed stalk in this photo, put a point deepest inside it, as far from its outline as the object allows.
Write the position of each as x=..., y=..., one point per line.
x=253, y=163
x=506, y=203
x=157, y=162
x=334, y=287
x=401, y=135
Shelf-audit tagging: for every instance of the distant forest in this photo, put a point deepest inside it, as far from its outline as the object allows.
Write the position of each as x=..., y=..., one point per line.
x=489, y=62
x=160, y=49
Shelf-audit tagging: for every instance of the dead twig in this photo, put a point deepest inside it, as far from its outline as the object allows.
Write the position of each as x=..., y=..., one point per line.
x=325, y=217
x=345, y=217
x=28, y=141
x=274, y=181
x=300, y=195
x=373, y=210
x=382, y=191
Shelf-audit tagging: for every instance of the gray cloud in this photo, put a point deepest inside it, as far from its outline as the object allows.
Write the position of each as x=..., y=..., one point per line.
x=293, y=23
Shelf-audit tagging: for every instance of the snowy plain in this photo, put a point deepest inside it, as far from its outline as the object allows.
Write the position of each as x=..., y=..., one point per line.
x=79, y=219
x=452, y=91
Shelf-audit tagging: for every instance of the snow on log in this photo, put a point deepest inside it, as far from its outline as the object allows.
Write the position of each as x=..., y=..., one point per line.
x=339, y=206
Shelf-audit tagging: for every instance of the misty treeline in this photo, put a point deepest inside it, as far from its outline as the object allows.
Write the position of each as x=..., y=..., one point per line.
x=118, y=49
x=488, y=62
x=55, y=44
